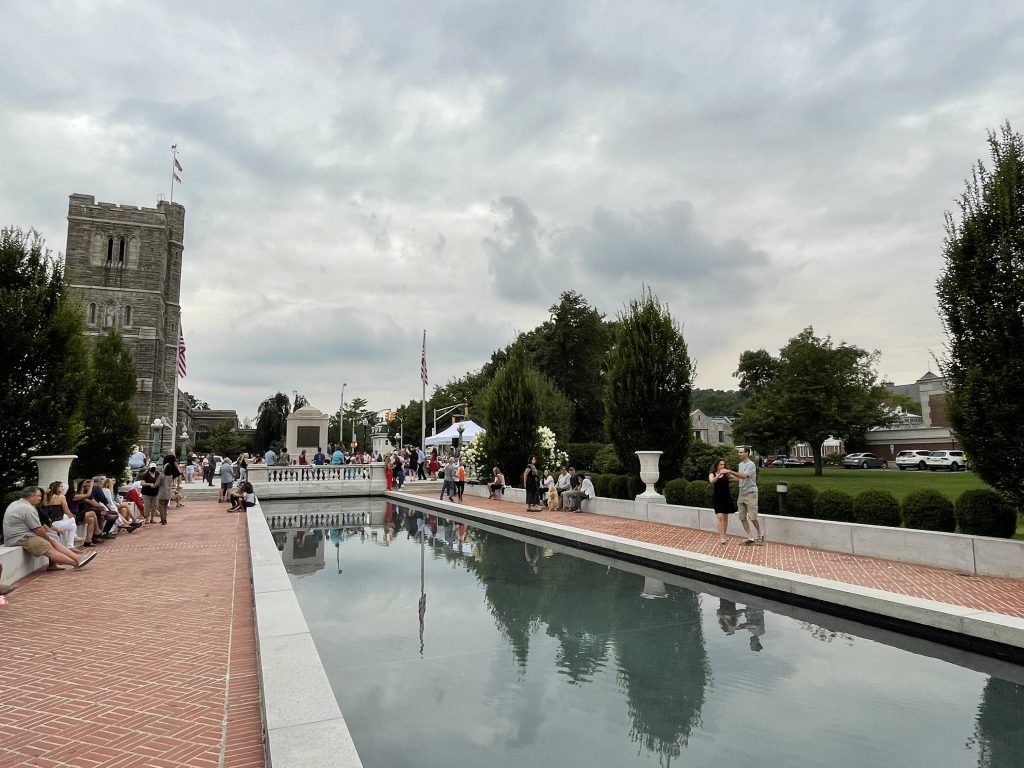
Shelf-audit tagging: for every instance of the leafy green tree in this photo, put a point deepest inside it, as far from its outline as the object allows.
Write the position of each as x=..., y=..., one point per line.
x=513, y=415
x=572, y=349
x=110, y=421
x=981, y=302
x=43, y=358
x=818, y=389
x=717, y=402
x=647, y=390
x=895, y=400
x=271, y=421
x=225, y=440
x=553, y=410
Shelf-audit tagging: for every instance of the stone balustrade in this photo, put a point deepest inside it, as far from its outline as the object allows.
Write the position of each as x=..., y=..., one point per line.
x=305, y=473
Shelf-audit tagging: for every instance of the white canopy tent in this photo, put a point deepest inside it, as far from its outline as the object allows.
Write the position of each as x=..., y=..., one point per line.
x=470, y=430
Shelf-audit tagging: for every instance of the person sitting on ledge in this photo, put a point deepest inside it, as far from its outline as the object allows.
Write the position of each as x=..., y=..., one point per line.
x=573, y=500
x=243, y=497
x=89, y=512
x=497, y=486
x=22, y=528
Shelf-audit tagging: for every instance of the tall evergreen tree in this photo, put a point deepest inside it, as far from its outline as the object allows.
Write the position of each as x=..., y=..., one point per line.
x=42, y=358
x=647, y=390
x=513, y=415
x=981, y=302
x=110, y=421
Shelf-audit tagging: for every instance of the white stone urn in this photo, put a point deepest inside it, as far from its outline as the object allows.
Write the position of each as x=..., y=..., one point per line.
x=53, y=468
x=649, y=473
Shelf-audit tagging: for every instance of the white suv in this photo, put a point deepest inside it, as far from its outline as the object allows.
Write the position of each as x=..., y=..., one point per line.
x=951, y=460
x=914, y=459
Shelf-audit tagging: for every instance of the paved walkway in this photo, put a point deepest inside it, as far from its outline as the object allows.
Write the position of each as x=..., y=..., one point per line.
x=986, y=593
x=145, y=657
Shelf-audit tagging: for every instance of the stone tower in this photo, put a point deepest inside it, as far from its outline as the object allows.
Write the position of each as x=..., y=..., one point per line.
x=123, y=266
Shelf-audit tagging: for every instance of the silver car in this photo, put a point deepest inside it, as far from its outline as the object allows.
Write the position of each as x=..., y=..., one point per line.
x=864, y=461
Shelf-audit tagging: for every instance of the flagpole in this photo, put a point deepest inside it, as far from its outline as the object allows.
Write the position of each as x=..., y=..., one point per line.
x=174, y=158
x=423, y=396
x=174, y=418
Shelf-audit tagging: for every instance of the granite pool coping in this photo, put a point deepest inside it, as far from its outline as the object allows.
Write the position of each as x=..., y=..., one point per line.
x=303, y=722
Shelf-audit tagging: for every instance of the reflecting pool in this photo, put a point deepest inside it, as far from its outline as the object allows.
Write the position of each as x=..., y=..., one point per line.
x=450, y=644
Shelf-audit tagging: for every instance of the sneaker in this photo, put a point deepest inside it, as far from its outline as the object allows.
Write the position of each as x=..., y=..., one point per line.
x=749, y=542
x=759, y=541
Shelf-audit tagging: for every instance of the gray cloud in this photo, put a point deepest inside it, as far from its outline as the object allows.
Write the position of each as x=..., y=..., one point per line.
x=356, y=174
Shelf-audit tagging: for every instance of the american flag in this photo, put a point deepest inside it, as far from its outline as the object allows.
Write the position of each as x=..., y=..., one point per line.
x=177, y=178
x=181, y=355
x=177, y=165
x=423, y=361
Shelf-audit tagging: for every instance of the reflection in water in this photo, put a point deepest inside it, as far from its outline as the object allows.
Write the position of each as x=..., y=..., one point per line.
x=628, y=650
x=999, y=731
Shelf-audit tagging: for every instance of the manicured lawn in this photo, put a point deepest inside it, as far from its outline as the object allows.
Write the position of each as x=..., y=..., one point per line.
x=899, y=484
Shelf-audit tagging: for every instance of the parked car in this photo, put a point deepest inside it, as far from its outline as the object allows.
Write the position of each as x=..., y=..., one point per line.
x=790, y=461
x=775, y=461
x=864, y=461
x=913, y=459
x=954, y=461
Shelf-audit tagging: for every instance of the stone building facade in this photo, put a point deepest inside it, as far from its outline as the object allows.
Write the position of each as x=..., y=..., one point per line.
x=712, y=430
x=123, y=266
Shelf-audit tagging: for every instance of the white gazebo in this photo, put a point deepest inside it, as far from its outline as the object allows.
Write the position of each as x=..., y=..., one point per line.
x=470, y=429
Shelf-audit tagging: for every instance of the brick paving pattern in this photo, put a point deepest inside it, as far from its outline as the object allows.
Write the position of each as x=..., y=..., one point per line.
x=987, y=593
x=145, y=657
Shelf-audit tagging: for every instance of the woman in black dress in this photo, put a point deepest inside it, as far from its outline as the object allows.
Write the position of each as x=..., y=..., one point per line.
x=721, y=498
x=531, y=481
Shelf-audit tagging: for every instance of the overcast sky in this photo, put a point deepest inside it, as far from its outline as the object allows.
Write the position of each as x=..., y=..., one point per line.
x=355, y=173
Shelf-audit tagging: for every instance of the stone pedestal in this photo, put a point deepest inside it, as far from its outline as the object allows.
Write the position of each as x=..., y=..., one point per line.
x=52, y=468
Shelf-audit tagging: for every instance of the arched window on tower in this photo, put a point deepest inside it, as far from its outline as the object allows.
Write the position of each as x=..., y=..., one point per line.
x=110, y=249
x=120, y=252
x=128, y=316
x=92, y=314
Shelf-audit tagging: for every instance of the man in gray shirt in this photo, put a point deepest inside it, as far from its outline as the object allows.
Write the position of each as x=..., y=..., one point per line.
x=23, y=529
x=448, y=487
x=746, y=503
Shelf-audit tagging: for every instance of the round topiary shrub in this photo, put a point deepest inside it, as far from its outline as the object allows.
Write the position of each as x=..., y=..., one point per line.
x=767, y=499
x=698, y=494
x=928, y=510
x=831, y=504
x=675, y=491
x=981, y=512
x=876, y=508
x=800, y=501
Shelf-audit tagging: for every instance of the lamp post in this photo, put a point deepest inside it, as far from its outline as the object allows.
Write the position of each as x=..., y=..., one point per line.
x=184, y=444
x=781, y=488
x=154, y=447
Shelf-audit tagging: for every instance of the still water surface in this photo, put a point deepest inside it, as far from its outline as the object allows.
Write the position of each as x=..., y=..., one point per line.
x=451, y=645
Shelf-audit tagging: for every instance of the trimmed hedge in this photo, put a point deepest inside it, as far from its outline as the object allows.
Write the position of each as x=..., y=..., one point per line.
x=800, y=501
x=675, y=491
x=928, y=510
x=600, y=484
x=634, y=486
x=876, y=507
x=698, y=494
x=581, y=455
x=982, y=512
x=618, y=487
x=835, y=505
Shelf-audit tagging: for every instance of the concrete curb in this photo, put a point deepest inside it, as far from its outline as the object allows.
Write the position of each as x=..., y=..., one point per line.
x=303, y=723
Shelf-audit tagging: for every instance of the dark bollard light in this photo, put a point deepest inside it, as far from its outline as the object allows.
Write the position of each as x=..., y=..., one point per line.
x=781, y=488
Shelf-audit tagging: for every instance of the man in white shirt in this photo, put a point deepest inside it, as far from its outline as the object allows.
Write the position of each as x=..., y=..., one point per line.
x=746, y=502
x=563, y=484
x=573, y=500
